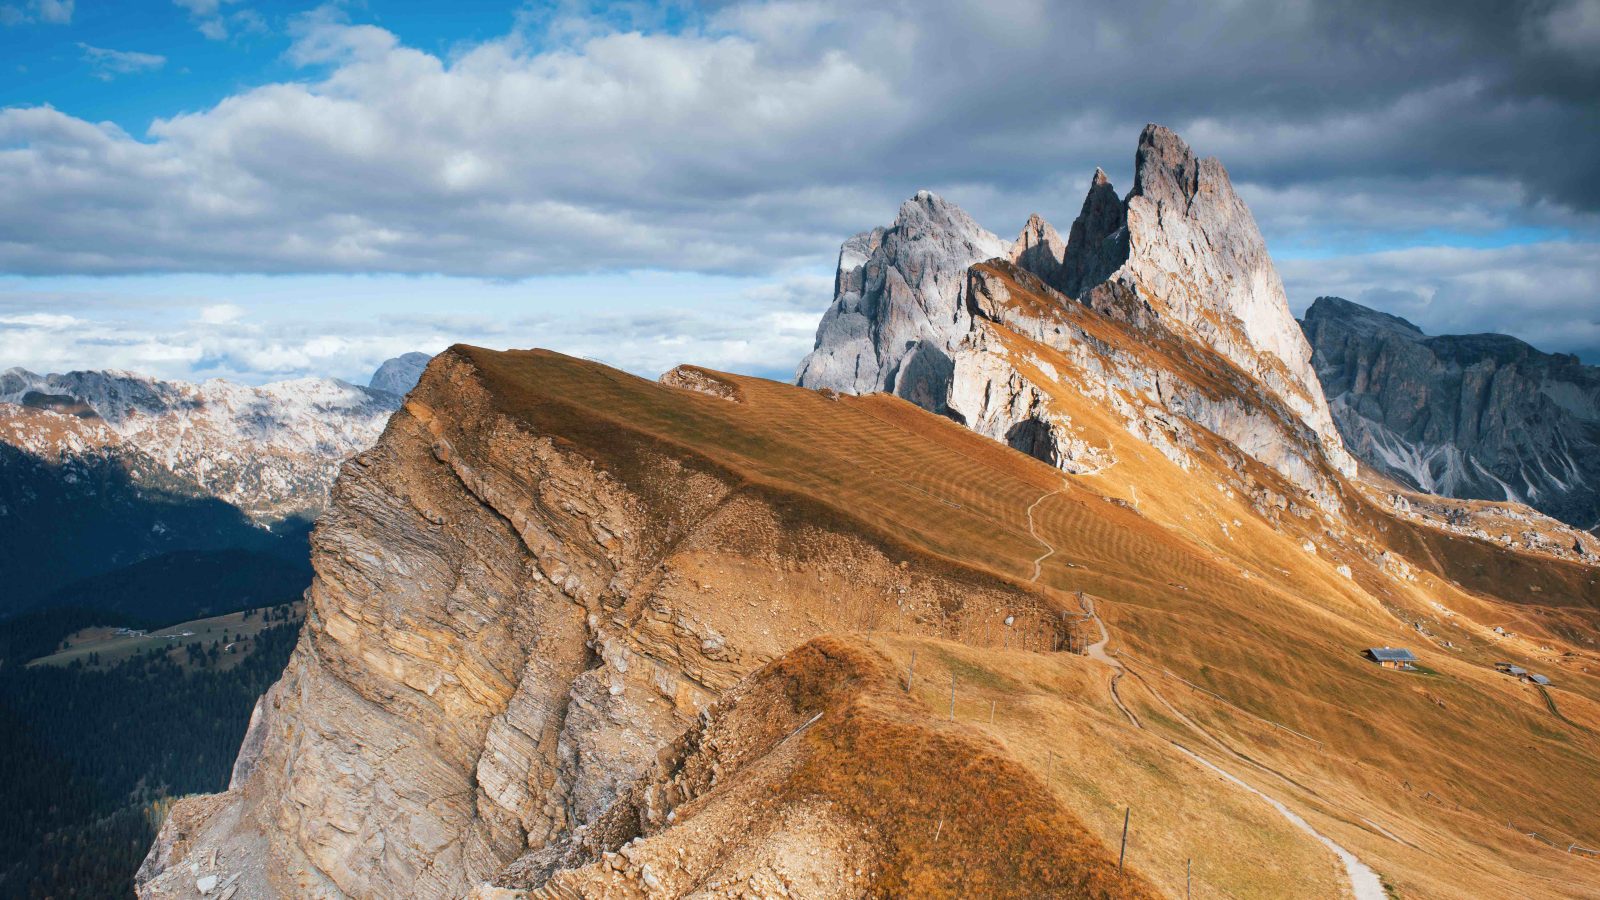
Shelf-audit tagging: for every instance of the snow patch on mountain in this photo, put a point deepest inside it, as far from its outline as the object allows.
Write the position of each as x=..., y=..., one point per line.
x=272, y=451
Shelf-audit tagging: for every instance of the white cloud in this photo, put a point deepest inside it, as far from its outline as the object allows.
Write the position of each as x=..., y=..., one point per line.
x=286, y=327
x=217, y=20
x=41, y=321
x=49, y=12
x=756, y=141
x=221, y=313
x=108, y=64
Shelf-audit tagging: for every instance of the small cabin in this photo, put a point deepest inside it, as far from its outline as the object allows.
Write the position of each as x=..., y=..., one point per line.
x=1534, y=678
x=1391, y=657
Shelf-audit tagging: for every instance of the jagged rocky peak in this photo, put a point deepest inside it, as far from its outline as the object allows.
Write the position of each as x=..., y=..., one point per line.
x=1097, y=245
x=1039, y=249
x=400, y=374
x=1194, y=248
x=897, y=307
x=1478, y=416
x=1181, y=252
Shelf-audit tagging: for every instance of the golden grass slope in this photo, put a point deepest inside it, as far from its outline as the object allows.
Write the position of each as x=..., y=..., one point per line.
x=1241, y=643
x=819, y=776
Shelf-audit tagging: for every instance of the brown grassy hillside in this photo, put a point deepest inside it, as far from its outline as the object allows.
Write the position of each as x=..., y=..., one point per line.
x=1239, y=643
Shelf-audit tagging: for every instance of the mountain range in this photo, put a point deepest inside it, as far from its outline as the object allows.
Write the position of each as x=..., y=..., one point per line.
x=1054, y=576
x=1481, y=416
x=104, y=470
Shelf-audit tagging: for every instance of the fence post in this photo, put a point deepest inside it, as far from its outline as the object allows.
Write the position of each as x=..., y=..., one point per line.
x=911, y=674
x=991, y=712
x=1188, y=877
x=1122, y=854
x=952, y=696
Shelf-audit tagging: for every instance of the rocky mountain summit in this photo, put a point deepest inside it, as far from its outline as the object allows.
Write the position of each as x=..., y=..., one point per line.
x=898, y=306
x=1478, y=416
x=1180, y=258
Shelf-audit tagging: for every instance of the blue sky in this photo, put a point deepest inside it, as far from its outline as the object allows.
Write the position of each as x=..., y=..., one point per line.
x=259, y=190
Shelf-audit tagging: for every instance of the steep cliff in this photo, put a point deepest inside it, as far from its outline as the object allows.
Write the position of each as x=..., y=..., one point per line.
x=517, y=605
x=558, y=647
x=1481, y=416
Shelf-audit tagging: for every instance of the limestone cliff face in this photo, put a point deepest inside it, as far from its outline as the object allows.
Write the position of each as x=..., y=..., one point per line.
x=1029, y=344
x=506, y=626
x=897, y=306
x=1471, y=416
x=1194, y=252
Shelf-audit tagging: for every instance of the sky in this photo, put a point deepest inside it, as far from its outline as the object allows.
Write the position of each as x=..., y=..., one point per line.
x=264, y=190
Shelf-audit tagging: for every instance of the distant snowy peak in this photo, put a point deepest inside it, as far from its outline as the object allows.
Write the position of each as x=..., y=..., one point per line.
x=400, y=374
x=273, y=450
x=1479, y=416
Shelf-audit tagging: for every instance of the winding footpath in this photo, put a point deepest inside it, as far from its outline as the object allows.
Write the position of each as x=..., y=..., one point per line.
x=1097, y=651
x=1364, y=882
x=1049, y=549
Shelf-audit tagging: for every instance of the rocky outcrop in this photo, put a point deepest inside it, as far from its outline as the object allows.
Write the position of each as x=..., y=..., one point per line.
x=400, y=374
x=1039, y=249
x=1098, y=243
x=1163, y=391
x=1181, y=256
x=272, y=451
x=517, y=606
x=1195, y=252
x=897, y=307
x=1481, y=416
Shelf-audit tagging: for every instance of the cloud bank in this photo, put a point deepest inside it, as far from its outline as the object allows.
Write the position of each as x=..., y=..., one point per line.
x=753, y=138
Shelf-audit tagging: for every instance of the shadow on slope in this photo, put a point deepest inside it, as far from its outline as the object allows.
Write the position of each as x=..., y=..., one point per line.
x=94, y=513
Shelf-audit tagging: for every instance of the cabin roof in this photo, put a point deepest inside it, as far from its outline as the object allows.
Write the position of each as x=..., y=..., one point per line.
x=1391, y=654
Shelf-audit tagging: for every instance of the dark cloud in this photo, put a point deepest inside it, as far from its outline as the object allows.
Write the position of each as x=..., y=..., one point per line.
x=760, y=138
x=1543, y=293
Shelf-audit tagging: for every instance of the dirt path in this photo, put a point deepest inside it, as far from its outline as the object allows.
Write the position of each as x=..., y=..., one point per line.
x=1364, y=882
x=1038, y=563
x=1097, y=652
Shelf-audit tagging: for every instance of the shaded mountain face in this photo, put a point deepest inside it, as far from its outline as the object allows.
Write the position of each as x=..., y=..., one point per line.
x=1481, y=416
x=102, y=470
x=76, y=501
